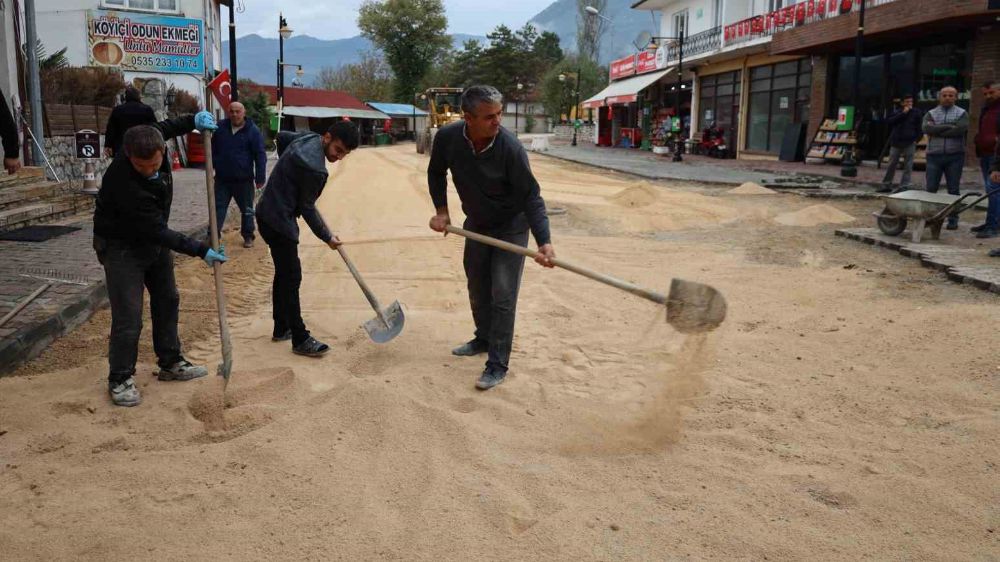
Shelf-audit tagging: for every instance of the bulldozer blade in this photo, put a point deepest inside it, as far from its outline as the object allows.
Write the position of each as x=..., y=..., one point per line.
x=381, y=332
x=694, y=307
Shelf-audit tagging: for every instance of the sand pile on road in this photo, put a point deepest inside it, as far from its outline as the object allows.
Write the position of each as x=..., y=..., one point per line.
x=751, y=188
x=639, y=195
x=813, y=216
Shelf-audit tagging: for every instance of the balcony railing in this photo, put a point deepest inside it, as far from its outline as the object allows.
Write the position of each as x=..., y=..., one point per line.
x=796, y=15
x=697, y=44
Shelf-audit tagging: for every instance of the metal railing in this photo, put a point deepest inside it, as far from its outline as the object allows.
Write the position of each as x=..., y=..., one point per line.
x=697, y=44
x=789, y=17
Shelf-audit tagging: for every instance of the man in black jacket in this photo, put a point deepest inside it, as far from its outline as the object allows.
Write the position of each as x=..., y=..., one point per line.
x=295, y=184
x=906, y=131
x=8, y=134
x=500, y=198
x=123, y=117
x=134, y=242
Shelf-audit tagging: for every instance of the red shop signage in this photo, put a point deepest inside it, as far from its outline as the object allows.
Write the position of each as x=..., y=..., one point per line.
x=646, y=62
x=622, y=67
x=789, y=16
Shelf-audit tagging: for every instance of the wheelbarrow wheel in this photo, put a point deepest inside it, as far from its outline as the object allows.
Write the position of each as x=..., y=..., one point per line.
x=891, y=225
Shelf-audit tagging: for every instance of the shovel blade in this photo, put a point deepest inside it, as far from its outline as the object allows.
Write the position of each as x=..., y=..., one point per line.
x=694, y=307
x=378, y=331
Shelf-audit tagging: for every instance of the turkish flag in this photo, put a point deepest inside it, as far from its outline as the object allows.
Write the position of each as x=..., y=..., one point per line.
x=222, y=89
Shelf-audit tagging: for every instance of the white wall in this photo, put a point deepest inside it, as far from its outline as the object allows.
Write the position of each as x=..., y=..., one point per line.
x=63, y=23
x=8, y=63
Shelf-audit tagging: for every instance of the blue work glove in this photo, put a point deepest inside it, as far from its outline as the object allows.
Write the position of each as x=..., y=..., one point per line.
x=212, y=257
x=204, y=121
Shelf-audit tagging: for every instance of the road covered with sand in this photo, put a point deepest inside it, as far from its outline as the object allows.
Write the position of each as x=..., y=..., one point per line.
x=847, y=409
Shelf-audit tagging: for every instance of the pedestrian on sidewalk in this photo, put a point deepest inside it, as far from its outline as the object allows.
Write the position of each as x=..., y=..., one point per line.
x=986, y=143
x=296, y=182
x=240, y=166
x=124, y=116
x=995, y=179
x=500, y=198
x=907, y=129
x=946, y=125
x=134, y=244
x=8, y=134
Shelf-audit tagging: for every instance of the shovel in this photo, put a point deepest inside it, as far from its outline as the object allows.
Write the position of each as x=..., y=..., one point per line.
x=226, y=367
x=691, y=307
x=388, y=322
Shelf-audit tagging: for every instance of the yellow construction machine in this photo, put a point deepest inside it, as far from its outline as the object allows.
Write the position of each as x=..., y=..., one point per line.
x=443, y=106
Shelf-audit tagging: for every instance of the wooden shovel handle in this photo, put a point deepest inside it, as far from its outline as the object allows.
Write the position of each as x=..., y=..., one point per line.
x=579, y=270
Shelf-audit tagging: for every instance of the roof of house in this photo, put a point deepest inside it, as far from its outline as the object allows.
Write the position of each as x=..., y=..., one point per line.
x=397, y=109
x=311, y=97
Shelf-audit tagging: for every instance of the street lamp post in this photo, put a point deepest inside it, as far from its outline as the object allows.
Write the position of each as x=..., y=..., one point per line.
x=234, y=94
x=849, y=166
x=517, y=96
x=284, y=32
x=562, y=78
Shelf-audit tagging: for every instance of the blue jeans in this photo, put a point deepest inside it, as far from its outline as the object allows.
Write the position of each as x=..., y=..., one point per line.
x=494, y=280
x=950, y=166
x=242, y=191
x=993, y=210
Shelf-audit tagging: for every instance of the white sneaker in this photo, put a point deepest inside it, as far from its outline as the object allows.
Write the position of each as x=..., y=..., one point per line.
x=182, y=370
x=125, y=393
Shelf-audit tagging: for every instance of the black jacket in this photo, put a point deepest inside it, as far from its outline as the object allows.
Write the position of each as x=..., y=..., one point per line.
x=123, y=117
x=8, y=130
x=295, y=184
x=136, y=210
x=498, y=191
x=907, y=128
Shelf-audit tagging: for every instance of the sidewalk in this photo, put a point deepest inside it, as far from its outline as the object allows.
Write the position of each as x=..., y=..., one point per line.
x=63, y=307
x=815, y=180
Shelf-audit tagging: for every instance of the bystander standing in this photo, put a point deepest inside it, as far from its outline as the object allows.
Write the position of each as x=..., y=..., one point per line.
x=946, y=125
x=986, y=144
x=906, y=131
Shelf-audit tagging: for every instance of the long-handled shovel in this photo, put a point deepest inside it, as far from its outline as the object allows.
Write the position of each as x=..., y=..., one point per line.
x=388, y=322
x=691, y=307
x=226, y=367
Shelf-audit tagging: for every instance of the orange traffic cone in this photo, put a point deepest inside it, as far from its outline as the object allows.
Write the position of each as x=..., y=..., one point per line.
x=175, y=163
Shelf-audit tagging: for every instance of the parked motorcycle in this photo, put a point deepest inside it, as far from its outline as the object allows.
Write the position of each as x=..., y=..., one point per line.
x=713, y=142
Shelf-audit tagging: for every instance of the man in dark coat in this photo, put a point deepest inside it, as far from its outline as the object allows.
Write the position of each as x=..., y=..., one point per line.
x=240, y=164
x=123, y=117
x=134, y=244
x=906, y=131
x=296, y=182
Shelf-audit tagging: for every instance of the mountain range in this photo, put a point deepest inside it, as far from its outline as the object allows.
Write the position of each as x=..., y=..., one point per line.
x=257, y=55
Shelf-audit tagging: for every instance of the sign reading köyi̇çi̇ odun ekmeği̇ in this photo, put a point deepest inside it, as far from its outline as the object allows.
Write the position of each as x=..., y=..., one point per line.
x=144, y=43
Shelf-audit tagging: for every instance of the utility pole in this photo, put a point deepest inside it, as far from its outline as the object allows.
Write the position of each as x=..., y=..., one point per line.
x=34, y=83
x=234, y=95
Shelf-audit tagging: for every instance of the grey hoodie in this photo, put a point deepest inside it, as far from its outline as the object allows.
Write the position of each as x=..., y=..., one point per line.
x=947, y=128
x=295, y=184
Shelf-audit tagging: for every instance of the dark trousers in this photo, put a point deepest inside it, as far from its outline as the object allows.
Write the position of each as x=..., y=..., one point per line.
x=494, y=280
x=242, y=191
x=128, y=270
x=993, y=205
x=285, y=307
x=950, y=166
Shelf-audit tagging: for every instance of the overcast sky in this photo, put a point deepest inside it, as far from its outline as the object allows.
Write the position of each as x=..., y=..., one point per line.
x=337, y=19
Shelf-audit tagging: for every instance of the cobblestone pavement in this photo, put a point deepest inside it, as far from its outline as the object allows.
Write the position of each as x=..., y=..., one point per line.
x=65, y=306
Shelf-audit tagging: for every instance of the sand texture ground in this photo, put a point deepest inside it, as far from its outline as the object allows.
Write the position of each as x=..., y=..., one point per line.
x=847, y=409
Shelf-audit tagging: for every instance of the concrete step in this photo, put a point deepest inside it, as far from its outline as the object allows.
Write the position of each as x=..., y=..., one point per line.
x=30, y=192
x=23, y=176
x=44, y=211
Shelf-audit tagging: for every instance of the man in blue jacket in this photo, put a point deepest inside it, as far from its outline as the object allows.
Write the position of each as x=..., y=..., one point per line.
x=240, y=163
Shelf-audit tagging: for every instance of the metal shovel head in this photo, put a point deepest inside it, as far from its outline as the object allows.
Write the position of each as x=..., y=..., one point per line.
x=378, y=331
x=694, y=307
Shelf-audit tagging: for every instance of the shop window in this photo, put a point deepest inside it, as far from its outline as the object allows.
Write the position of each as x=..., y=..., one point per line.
x=148, y=5
x=779, y=96
x=760, y=72
x=940, y=66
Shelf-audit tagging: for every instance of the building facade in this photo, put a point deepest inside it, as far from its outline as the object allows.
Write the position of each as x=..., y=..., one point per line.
x=764, y=69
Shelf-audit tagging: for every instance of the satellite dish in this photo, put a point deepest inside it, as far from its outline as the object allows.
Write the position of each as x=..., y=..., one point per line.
x=642, y=40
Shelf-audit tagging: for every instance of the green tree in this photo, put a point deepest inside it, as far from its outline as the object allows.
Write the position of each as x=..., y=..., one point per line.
x=257, y=105
x=370, y=79
x=546, y=50
x=510, y=57
x=558, y=96
x=410, y=33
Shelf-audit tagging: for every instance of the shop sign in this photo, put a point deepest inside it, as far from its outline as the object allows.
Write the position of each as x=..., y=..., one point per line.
x=88, y=144
x=661, y=57
x=845, y=118
x=621, y=100
x=622, y=67
x=646, y=62
x=787, y=17
x=145, y=43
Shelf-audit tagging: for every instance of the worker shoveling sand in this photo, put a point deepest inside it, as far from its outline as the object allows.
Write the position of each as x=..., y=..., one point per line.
x=813, y=216
x=751, y=188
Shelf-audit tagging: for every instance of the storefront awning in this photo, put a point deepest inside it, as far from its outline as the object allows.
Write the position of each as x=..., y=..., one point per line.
x=625, y=91
x=325, y=112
